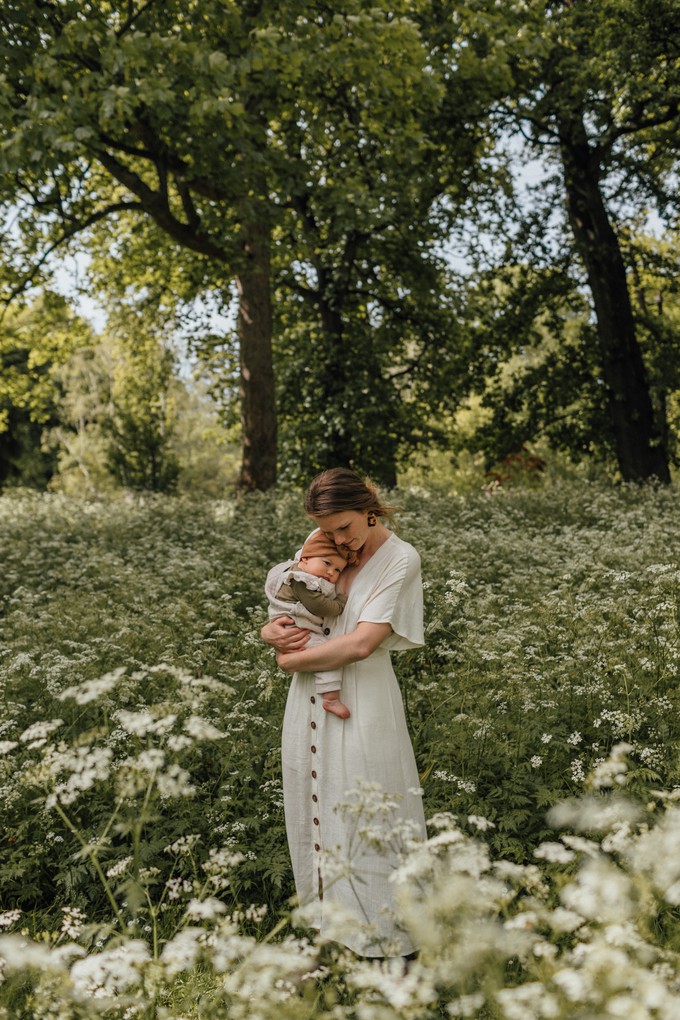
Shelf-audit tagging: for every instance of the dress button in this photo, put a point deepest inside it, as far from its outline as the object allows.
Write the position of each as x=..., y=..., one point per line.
x=327, y=630
x=313, y=749
x=314, y=798
x=313, y=725
x=316, y=821
x=313, y=700
x=316, y=846
x=313, y=774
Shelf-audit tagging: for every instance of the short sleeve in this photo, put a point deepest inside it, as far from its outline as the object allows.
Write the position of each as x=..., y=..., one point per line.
x=397, y=598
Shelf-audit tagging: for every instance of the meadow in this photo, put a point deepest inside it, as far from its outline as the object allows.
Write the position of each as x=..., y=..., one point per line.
x=143, y=866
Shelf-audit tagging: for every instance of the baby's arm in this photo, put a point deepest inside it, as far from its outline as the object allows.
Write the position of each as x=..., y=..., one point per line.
x=316, y=602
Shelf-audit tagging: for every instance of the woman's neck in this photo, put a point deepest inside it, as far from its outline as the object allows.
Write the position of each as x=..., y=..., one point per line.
x=376, y=537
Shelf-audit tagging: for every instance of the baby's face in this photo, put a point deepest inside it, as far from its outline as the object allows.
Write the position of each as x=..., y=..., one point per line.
x=319, y=566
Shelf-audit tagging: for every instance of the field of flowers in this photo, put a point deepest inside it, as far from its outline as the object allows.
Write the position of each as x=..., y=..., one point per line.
x=143, y=864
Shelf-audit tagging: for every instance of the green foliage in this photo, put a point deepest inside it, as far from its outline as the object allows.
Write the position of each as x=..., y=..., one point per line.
x=34, y=343
x=141, y=420
x=534, y=369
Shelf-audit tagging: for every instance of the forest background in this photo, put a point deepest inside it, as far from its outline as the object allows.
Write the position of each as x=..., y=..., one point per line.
x=314, y=243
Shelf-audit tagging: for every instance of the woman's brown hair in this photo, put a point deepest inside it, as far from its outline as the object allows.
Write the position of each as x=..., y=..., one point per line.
x=339, y=489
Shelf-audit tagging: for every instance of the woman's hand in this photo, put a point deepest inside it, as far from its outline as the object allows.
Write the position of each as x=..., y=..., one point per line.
x=283, y=635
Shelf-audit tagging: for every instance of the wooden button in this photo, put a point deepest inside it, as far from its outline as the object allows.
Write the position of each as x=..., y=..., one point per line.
x=316, y=821
x=313, y=749
x=316, y=846
x=313, y=700
x=313, y=725
x=313, y=774
x=314, y=798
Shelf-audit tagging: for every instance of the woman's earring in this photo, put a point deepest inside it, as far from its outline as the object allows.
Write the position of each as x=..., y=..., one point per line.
x=372, y=520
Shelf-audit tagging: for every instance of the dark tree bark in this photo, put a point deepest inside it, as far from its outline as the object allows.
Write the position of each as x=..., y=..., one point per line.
x=639, y=444
x=258, y=396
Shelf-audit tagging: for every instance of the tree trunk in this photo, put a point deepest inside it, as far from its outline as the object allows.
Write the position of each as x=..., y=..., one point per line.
x=257, y=391
x=639, y=445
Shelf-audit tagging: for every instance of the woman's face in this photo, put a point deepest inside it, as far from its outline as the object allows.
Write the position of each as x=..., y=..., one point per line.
x=348, y=528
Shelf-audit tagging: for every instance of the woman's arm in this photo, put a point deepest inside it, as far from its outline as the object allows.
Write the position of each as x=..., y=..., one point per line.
x=337, y=651
x=282, y=633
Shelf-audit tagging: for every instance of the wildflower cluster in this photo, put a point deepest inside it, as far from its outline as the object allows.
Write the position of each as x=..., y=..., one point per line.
x=144, y=869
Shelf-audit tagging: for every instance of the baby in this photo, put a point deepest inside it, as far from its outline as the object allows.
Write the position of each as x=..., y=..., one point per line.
x=305, y=591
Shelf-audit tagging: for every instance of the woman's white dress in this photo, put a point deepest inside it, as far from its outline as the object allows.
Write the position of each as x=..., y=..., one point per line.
x=336, y=861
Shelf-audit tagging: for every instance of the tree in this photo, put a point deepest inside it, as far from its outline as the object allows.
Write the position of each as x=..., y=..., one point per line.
x=209, y=119
x=597, y=88
x=351, y=310
x=139, y=424
x=34, y=342
x=160, y=110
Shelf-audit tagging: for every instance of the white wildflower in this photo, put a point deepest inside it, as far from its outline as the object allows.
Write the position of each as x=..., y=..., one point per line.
x=600, y=892
x=581, y=845
x=73, y=921
x=530, y=1001
x=401, y=991
x=480, y=823
x=544, y=950
x=85, y=764
x=150, y=760
x=536, y=761
x=9, y=917
x=179, y=742
x=657, y=854
x=175, y=782
x=593, y=814
x=37, y=734
x=145, y=723
x=574, y=738
x=546, y=738
x=205, y=910
x=8, y=745
x=176, y=887
x=556, y=853
x=201, y=729
x=526, y=921
x=106, y=974
x=181, y=952
x=562, y=920
x=466, y=1005
x=119, y=868
x=90, y=690
x=619, y=839
x=612, y=771
x=19, y=953
x=574, y=985
x=183, y=845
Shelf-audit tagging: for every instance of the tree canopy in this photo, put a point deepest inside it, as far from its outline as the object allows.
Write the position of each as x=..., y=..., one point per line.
x=316, y=165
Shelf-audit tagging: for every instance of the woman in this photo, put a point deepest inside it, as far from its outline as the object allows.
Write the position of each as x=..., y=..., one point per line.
x=324, y=757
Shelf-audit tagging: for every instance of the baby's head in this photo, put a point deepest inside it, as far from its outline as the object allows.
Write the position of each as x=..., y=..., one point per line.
x=321, y=557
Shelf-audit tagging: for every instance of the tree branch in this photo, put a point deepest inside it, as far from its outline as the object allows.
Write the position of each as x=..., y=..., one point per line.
x=132, y=16
x=157, y=207
x=69, y=232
